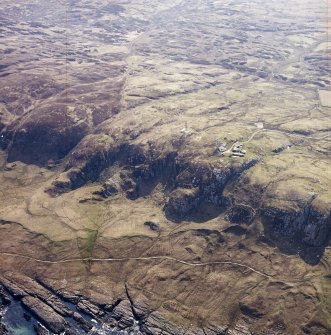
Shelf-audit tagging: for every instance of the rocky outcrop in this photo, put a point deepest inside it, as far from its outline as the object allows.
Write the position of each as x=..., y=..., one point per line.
x=200, y=183
x=52, y=320
x=89, y=308
x=3, y=330
x=47, y=306
x=109, y=188
x=123, y=315
x=48, y=134
x=240, y=214
x=139, y=167
x=253, y=309
x=241, y=329
x=152, y=225
x=40, y=330
x=182, y=201
x=316, y=328
x=98, y=152
x=306, y=224
x=21, y=286
x=303, y=227
x=4, y=302
x=155, y=324
x=135, y=316
x=4, y=297
x=129, y=113
x=236, y=230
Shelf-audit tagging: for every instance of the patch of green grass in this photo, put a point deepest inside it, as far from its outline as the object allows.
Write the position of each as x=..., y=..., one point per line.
x=90, y=242
x=86, y=245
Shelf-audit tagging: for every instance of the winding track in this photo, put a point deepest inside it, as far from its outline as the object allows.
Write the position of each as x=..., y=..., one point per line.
x=229, y=151
x=273, y=130
x=187, y=263
x=72, y=260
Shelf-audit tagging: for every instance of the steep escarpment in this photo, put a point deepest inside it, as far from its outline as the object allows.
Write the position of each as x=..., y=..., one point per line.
x=164, y=167
x=305, y=229
x=140, y=167
x=291, y=200
x=298, y=220
x=46, y=134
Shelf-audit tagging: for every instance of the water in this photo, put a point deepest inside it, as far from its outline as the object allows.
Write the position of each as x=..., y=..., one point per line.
x=15, y=321
x=20, y=331
x=20, y=322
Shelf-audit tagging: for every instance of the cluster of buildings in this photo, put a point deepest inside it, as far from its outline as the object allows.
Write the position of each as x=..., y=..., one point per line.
x=237, y=150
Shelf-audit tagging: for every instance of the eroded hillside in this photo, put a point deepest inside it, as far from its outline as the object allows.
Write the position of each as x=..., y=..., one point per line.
x=165, y=165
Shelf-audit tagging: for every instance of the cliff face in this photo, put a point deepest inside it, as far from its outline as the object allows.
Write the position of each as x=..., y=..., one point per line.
x=189, y=185
x=164, y=167
x=307, y=224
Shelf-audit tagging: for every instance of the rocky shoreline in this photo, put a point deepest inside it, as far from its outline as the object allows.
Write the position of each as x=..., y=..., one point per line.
x=56, y=316
x=164, y=167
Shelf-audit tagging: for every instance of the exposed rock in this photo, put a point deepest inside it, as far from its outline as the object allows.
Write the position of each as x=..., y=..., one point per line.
x=215, y=330
x=108, y=189
x=281, y=148
x=21, y=286
x=263, y=74
x=241, y=214
x=129, y=186
x=3, y=330
x=155, y=324
x=4, y=297
x=52, y=320
x=240, y=329
x=254, y=309
x=316, y=328
x=89, y=308
x=306, y=224
x=58, y=306
x=146, y=90
x=123, y=314
x=152, y=225
x=47, y=134
x=134, y=134
x=182, y=201
x=40, y=330
x=71, y=332
x=91, y=156
x=10, y=167
x=236, y=230
x=86, y=325
x=15, y=290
